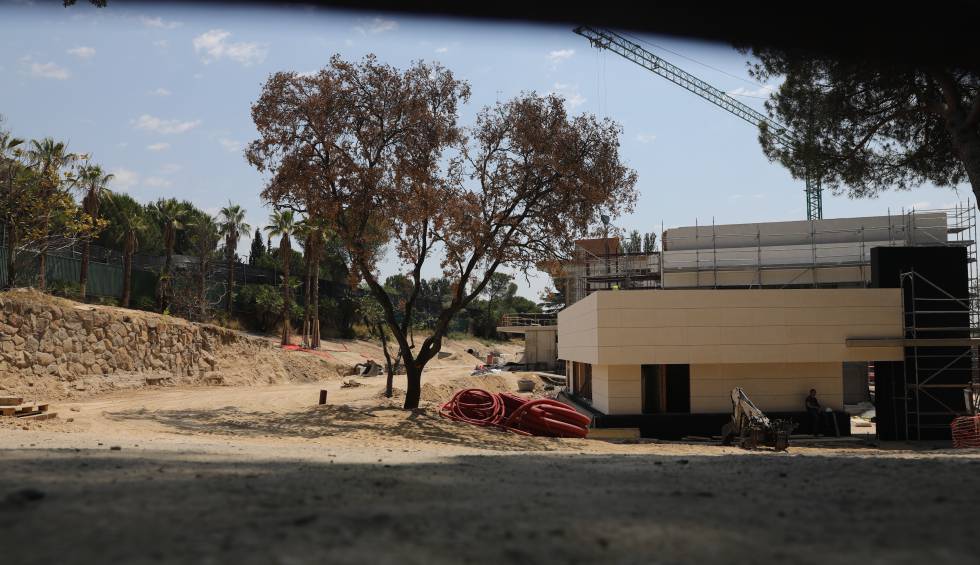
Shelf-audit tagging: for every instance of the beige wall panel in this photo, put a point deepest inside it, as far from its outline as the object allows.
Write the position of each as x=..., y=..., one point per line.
x=578, y=337
x=766, y=403
x=600, y=388
x=621, y=388
x=588, y=355
x=771, y=386
x=625, y=405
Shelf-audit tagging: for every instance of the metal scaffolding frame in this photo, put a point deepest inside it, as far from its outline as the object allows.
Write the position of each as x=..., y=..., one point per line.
x=908, y=228
x=808, y=265
x=590, y=272
x=933, y=358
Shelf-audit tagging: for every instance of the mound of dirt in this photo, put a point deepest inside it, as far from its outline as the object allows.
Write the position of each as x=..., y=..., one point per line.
x=494, y=382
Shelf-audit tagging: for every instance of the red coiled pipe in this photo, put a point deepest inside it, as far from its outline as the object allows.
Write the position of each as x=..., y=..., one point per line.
x=540, y=417
x=966, y=431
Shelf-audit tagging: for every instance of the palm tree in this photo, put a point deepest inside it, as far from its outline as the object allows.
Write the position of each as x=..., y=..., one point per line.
x=205, y=234
x=172, y=216
x=313, y=233
x=12, y=168
x=282, y=224
x=94, y=182
x=130, y=219
x=48, y=157
x=232, y=225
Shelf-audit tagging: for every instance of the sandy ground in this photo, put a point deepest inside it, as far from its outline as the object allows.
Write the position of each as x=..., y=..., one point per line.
x=261, y=474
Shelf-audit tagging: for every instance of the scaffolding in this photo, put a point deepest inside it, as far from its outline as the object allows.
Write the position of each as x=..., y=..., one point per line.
x=822, y=253
x=831, y=253
x=941, y=357
x=590, y=272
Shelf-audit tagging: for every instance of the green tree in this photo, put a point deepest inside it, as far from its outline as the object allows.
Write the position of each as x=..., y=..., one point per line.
x=649, y=242
x=232, y=225
x=12, y=199
x=257, y=251
x=373, y=316
x=866, y=128
x=172, y=217
x=51, y=161
x=205, y=234
x=633, y=245
x=94, y=182
x=129, y=222
x=282, y=224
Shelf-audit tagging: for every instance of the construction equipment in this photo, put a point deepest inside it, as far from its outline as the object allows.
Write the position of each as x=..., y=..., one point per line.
x=750, y=428
x=630, y=50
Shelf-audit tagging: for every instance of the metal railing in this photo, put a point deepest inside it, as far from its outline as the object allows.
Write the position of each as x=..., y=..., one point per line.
x=528, y=319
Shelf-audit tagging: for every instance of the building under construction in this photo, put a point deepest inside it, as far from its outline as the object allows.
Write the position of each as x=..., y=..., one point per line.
x=657, y=340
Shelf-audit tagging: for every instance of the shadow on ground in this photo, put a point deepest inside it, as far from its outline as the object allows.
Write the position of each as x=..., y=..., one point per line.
x=336, y=420
x=110, y=506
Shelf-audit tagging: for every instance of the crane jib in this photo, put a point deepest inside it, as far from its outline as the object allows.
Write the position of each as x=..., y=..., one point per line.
x=612, y=41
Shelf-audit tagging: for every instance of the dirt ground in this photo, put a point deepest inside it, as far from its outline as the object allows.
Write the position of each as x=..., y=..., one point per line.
x=261, y=474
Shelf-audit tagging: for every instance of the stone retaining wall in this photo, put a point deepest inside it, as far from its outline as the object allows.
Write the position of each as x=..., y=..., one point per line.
x=45, y=336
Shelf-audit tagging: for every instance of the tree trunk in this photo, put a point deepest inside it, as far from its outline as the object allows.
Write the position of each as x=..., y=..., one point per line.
x=202, y=288
x=163, y=286
x=413, y=391
x=316, y=302
x=83, y=269
x=12, y=242
x=231, y=280
x=286, y=331
x=389, y=366
x=307, y=301
x=127, y=271
x=42, y=267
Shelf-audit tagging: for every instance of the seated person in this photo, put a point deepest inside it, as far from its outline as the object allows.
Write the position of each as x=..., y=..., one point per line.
x=814, y=410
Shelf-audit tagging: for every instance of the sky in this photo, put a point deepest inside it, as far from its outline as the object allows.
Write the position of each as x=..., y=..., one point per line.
x=160, y=95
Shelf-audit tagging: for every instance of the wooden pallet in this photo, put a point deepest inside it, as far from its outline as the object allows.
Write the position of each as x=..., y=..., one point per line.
x=22, y=410
x=37, y=416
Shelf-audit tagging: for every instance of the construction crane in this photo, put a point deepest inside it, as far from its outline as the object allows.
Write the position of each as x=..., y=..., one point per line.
x=607, y=39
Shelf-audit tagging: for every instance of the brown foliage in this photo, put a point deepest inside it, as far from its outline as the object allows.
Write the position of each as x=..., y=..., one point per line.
x=379, y=156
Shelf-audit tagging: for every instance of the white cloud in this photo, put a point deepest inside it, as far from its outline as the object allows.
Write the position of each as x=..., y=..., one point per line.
x=376, y=25
x=442, y=50
x=170, y=169
x=162, y=146
x=156, y=182
x=214, y=45
x=147, y=122
x=160, y=92
x=161, y=43
x=82, y=52
x=645, y=137
x=923, y=205
x=569, y=93
x=762, y=92
x=159, y=22
x=47, y=70
x=560, y=55
x=124, y=179
x=230, y=144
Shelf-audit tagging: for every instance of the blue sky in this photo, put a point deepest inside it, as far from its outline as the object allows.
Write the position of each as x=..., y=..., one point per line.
x=160, y=95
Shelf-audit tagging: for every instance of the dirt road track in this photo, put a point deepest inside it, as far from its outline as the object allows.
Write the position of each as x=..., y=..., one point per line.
x=261, y=475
